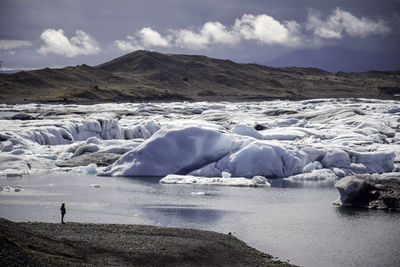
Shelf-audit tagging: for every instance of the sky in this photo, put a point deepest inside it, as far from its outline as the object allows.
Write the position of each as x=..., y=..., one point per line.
x=334, y=35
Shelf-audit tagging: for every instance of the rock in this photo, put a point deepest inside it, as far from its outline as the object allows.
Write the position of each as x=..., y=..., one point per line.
x=23, y=117
x=370, y=191
x=98, y=158
x=85, y=149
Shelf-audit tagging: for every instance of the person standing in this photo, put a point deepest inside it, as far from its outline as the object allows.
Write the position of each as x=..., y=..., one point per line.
x=63, y=211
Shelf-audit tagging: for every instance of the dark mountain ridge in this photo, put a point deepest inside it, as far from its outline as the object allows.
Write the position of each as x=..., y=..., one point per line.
x=152, y=76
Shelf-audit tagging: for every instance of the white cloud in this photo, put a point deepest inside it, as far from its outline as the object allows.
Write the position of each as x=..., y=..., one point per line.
x=189, y=39
x=262, y=29
x=340, y=22
x=13, y=44
x=128, y=45
x=210, y=33
x=218, y=33
x=151, y=37
x=57, y=43
x=145, y=38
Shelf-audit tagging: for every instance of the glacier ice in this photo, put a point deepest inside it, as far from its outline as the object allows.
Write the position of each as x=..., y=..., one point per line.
x=305, y=140
x=238, y=181
x=169, y=151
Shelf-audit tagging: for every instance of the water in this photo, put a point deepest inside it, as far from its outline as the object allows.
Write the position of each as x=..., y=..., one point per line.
x=295, y=222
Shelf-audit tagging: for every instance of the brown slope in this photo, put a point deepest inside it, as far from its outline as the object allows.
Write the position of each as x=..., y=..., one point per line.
x=144, y=75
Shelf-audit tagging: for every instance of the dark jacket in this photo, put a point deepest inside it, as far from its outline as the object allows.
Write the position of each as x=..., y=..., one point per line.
x=63, y=211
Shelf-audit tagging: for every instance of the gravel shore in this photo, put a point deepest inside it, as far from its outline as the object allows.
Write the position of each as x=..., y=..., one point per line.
x=38, y=244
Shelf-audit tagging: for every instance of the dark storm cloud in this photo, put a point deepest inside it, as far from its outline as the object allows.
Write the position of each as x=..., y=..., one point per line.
x=58, y=33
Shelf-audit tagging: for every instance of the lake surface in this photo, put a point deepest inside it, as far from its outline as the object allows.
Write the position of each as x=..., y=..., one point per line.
x=295, y=222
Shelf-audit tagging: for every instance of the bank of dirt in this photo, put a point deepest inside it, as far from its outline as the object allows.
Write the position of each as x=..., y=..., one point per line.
x=38, y=244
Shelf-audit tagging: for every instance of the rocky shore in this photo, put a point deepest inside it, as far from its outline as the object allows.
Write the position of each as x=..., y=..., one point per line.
x=40, y=244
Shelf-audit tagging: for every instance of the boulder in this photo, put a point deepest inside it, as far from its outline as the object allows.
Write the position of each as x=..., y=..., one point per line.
x=370, y=191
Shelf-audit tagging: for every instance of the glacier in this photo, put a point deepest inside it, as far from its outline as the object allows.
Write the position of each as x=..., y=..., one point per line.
x=295, y=140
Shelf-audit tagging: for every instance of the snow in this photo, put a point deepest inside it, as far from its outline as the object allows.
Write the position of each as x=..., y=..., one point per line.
x=298, y=140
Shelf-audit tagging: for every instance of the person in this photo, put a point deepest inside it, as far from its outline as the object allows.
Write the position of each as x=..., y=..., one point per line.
x=63, y=211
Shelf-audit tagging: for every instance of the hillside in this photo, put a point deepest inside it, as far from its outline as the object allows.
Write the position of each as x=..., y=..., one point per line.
x=151, y=76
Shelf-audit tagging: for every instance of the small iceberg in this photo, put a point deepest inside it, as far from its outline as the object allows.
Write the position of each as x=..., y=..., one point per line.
x=257, y=181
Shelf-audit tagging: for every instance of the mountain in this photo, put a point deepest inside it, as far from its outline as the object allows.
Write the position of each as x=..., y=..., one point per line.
x=152, y=76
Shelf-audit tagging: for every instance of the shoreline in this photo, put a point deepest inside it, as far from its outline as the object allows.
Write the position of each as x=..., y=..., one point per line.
x=39, y=243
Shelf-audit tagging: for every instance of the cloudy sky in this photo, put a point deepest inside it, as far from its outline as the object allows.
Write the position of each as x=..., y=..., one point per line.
x=348, y=35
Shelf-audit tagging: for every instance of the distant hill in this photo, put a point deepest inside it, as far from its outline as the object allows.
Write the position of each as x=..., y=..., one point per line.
x=151, y=76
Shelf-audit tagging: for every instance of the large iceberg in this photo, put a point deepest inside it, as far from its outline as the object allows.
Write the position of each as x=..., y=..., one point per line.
x=173, y=151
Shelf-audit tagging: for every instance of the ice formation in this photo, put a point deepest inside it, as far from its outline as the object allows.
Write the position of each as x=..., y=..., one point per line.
x=298, y=140
x=188, y=179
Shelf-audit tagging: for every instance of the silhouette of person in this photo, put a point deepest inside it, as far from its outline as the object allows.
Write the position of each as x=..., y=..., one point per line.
x=63, y=211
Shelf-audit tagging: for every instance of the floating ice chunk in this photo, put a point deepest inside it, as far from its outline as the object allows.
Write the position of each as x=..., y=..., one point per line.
x=288, y=122
x=261, y=180
x=315, y=175
x=245, y=130
x=95, y=185
x=282, y=134
x=394, y=110
x=379, y=127
x=375, y=162
x=171, y=151
x=266, y=159
x=12, y=162
x=209, y=170
x=198, y=193
x=93, y=140
x=85, y=149
x=119, y=150
x=11, y=189
x=20, y=152
x=187, y=179
x=339, y=172
x=90, y=169
x=18, y=188
x=143, y=130
x=6, y=146
x=336, y=158
x=226, y=175
x=110, y=129
x=316, y=165
x=216, y=107
x=14, y=173
x=197, y=111
x=313, y=154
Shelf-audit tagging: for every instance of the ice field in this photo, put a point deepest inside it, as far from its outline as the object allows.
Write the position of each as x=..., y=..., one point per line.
x=323, y=139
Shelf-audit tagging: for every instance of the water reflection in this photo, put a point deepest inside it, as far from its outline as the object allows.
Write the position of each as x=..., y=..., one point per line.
x=181, y=215
x=352, y=213
x=285, y=183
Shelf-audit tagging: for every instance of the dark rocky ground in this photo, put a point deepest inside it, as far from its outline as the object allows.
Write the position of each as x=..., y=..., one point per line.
x=150, y=76
x=77, y=244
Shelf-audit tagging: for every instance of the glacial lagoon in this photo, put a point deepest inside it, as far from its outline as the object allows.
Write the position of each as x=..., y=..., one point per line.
x=300, y=148
x=294, y=221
